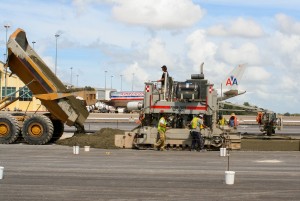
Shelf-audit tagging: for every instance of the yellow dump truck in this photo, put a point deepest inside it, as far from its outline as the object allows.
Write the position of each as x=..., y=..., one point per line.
x=63, y=107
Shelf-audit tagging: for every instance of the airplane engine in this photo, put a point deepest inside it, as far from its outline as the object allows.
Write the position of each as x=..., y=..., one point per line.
x=134, y=105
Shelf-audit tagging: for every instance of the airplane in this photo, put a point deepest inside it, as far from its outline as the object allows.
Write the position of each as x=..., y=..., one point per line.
x=122, y=98
x=231, y=83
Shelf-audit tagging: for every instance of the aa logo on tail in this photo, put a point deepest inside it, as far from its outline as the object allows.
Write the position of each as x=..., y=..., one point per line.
x=231, y=81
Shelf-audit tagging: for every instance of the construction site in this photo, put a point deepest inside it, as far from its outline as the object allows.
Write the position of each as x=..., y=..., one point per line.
x=178, y=100
x=37, y=145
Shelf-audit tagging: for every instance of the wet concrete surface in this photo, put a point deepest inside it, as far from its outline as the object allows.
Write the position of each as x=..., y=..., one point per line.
x=52, y=172
x=270, y=145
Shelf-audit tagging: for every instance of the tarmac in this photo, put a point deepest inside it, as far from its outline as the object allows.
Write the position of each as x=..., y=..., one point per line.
x=53, y=172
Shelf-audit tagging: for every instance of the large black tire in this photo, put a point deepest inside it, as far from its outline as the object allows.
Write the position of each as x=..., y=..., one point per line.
x=59, y=128
x=37, y=129
x=9, y=129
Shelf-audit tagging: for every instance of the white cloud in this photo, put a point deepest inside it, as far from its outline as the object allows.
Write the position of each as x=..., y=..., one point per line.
x=157, y=53
x=284, y=52
x=257, y=74
x=247, y=28
x=286, y=44
x=200, y=48
x=288, y=84
x=239, y=27
x=287, y=24
x=217, y=30
x=245, y=53
x=137, y=74
x=167, y=14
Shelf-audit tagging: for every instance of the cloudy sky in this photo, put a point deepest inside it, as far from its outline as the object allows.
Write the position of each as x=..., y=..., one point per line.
x=134, y=38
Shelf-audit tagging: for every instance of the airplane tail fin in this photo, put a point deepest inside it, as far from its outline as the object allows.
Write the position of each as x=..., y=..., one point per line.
x=232, y=81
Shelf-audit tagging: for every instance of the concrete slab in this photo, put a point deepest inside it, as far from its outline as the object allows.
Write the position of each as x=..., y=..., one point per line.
x=52, y=172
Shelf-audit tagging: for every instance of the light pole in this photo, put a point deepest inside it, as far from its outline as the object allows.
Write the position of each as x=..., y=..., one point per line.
x=121, y=81
x=4, y=57
x=71, y=76
x=5, y=91
x=132, y=81
x=33, y=42
x=56, y=36
x=77, y=81
x=105, y=79
x=105, y=84
x=111, y=81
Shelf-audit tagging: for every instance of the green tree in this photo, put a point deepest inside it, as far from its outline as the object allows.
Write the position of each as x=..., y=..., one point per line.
x=246, y=104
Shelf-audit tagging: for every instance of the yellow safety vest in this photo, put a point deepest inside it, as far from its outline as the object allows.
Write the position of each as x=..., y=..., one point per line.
x=222, y=121
x=195, y=122
x=160, y=128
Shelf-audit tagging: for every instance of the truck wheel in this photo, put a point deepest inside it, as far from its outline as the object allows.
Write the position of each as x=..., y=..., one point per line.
x=37, y=129
x=58, y=130
x=9, y=129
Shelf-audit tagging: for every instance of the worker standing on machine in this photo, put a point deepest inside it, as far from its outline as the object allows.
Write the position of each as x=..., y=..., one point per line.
x=161, y=128
x=163, y=76
x=196, y=127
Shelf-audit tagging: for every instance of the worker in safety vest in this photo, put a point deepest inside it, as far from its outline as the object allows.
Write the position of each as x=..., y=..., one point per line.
x=222, y=120
x=233, y=121
x=196, y=127
x=259, y=117
x=161, y=128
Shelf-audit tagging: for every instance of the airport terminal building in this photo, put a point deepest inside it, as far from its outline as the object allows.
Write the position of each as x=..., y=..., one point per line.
x=9, y=85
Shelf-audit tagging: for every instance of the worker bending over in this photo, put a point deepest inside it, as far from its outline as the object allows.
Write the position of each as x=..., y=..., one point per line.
x=197, y=139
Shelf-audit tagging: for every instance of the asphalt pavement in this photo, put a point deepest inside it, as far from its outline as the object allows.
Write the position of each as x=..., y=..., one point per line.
x=53, y=172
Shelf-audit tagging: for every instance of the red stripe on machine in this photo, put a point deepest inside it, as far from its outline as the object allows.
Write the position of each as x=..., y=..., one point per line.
x=196, y=107
x=160, y=107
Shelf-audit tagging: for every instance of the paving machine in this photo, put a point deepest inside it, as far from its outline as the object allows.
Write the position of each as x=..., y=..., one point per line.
x=180, y=101
x=268, y=122
x=63, y=107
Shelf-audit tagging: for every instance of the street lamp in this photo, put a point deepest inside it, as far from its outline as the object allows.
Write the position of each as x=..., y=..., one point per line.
x=105, y=85
x=121, y=81
x=71, y=76
x=4, y=57
x=56, y=36
x=5, y=91
x=33, y=42
x=132, y=81
x=111, y=81
x=105, y=79
x=77, y=81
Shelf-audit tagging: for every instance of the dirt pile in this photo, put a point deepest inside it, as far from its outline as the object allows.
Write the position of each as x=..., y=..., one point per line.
x=104, y=139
